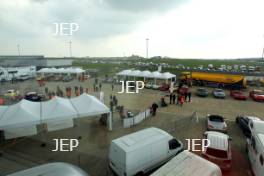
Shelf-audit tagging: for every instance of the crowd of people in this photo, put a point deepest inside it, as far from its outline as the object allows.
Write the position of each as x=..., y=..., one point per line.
x=179, y=97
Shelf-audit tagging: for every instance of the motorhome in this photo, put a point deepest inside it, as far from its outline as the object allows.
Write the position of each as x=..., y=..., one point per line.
x=255, y=147
x=243, y=68
x=142, y=151
x=17, y=73
x=51, y=169
x=251, y=68
x=187, y=163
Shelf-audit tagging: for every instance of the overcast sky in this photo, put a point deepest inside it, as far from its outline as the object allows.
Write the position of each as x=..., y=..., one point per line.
x=175, y=28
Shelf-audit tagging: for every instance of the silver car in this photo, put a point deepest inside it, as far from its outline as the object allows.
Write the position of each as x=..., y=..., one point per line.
x=219, y=93
x=216, y=123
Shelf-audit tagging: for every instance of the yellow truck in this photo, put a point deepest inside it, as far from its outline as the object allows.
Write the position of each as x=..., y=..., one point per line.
x=214, y=79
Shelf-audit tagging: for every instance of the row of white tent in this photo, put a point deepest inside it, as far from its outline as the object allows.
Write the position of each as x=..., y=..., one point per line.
x=147, y=74
x=26, y=114
x=69, y=70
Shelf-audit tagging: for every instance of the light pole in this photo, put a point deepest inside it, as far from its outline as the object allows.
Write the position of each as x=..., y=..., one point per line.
x=70, y=48
x=263, y=54
x=18, y=49
x=147, y=48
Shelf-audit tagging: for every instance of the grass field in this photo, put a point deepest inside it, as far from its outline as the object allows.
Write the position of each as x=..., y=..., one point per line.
x=112, y=68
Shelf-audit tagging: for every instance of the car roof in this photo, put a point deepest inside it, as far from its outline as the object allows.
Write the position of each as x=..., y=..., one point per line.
x=217, y=140
x=29, y=93
x=214, y=115
x=258, y=126
x=257, y=90
x=187, y=163
x=252, y=117
x=201, y=88
x=141, y=138
x=52, y=169
x=219, y=89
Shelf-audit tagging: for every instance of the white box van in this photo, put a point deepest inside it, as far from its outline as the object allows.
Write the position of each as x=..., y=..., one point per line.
x=51, y=169
x=255, y=147
x=187, y=163
x=142, y=151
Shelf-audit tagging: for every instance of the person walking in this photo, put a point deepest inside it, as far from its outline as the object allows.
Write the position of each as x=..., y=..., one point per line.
x=94, y=86
x=100, y=86
x=170, y=98
x=185, y=94
x=112, y=87
x=189, y=95
x=181, y=100
x=154, y=108
x=173, y=98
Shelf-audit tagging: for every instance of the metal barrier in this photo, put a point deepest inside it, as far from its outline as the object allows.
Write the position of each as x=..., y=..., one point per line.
x=128, y=122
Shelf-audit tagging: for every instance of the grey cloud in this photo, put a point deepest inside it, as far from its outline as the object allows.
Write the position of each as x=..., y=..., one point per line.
x=96, y=18
x=144, y=5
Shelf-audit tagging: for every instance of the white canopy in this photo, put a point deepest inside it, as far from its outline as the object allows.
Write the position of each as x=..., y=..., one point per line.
x=57, y=109
x=147, y=74
x=21, y=114
x=157, y=74
x=87, y=105
x=124, y=72
x=168, y=75
x=27, y=113
x=61, y=70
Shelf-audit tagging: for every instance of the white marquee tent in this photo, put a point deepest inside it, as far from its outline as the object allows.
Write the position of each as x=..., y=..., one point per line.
x=61, y=70
x=26, y=114
x=147, y=74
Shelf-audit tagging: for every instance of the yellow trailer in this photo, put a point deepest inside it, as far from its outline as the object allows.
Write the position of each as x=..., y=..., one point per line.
x=227, y=80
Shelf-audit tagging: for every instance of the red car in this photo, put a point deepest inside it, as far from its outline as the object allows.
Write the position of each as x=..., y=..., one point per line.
x=219, y=149
x=164, y=87
x=238, y=95
x=257, y=95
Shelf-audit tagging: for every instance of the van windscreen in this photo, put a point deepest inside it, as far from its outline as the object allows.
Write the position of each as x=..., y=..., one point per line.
x=216, y=153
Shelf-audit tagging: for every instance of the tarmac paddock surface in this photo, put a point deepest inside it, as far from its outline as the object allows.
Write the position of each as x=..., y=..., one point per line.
x=92, y=153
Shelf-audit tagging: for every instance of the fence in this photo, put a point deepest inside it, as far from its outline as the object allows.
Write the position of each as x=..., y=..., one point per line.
x=128, y=122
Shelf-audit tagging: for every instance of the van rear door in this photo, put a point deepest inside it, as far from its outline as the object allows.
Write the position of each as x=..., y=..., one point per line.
x=117, y=159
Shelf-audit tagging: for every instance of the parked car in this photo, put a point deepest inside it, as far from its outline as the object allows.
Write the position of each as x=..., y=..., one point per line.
x=156, y=87
x=219, y=149
x=257, y=95
x=148, y=85
x=23, y=77
x=219, y=93
x=243, y=122
x=33, y=96
x=255, y=147
x=142, y=151
x=201, y=92
x=51, y=169
x=238, y=95
x=151, y=85
x=188, y=163
x=10, y=93
x=164, y=87
x=216, y=123
x=67, y=78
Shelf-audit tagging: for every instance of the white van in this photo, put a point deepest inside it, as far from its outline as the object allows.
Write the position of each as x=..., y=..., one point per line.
x=142, y=151
x=187, y=163
x=52, y=169
x=255, y=147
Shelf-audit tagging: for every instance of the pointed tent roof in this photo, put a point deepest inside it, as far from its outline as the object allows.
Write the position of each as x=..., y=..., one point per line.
x=57, y=109
x=146, y=73
x=156, y=74
x=26, y=113
x=23, y=113
x=87, y=105
x=135, y=73
x=168, y=75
